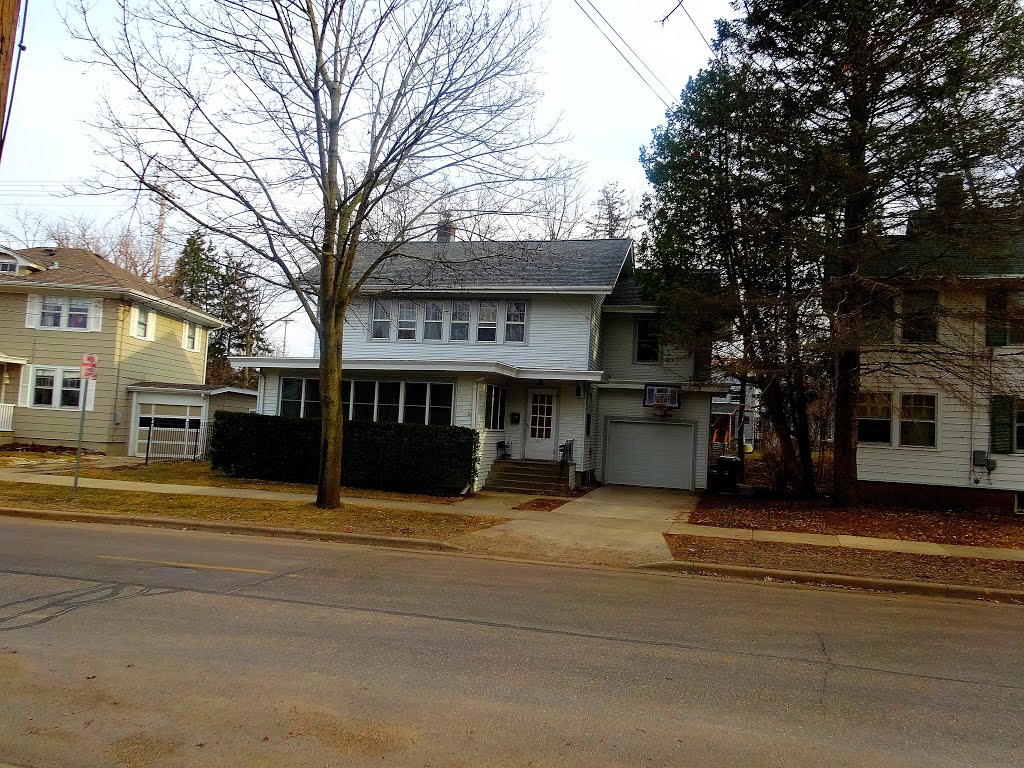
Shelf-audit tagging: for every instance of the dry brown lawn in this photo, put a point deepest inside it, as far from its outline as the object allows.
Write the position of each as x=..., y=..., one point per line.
x=351, y=518
x=992, y=574
x=978, y=528
x=200, y=473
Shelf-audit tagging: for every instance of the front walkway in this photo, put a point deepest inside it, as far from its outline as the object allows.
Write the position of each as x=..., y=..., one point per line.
x=611, y=525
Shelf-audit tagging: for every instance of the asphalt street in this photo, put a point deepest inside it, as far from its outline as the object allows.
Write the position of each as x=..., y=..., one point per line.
x=124, y=646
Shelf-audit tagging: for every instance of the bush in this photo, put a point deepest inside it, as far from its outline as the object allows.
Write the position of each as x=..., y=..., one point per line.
x=410, y=458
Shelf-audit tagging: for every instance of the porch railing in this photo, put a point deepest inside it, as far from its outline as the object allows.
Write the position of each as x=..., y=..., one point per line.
x=566, y=450
x=6, y=417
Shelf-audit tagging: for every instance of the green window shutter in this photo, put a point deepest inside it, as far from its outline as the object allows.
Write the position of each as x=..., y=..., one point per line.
x=995, y=317
x=1001, y=424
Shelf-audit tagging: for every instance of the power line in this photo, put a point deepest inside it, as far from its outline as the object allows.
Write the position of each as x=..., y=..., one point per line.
x=14, y=80
x=635, y=54
x=624, y=57
x=679, y=6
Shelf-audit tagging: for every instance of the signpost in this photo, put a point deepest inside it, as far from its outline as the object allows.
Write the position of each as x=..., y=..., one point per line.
x=87, y=372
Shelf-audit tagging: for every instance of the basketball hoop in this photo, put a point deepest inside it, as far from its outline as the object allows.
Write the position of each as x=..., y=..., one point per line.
x=661, y=405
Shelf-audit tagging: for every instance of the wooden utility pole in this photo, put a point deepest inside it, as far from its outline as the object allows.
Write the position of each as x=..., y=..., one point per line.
x=158, y=245
x=9, y=10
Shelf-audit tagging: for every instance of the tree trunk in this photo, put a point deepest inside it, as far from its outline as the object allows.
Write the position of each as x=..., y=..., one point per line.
x=844, y=446
x=328, y=492
x=775, y=406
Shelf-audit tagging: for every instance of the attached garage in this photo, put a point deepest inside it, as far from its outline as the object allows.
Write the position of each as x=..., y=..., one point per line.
x=652, y=454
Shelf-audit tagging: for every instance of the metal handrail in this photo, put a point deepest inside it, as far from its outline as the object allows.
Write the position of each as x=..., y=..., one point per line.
x=565, y=449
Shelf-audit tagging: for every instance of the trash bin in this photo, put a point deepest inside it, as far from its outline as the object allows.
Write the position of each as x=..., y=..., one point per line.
x=727, y=470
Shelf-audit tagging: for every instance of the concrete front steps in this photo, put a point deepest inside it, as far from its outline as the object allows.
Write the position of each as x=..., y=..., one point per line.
x=527, y=476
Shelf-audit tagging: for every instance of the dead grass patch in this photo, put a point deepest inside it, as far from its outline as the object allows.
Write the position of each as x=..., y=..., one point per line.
x=542, y=504
x=200, y=473
x=977, y=528
x=993, y=574
x=350, y=518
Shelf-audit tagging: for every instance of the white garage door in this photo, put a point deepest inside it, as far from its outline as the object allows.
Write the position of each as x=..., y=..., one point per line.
x=653, y=455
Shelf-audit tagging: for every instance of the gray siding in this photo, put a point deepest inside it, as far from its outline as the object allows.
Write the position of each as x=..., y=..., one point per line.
x=618, y=354
x=627, y=403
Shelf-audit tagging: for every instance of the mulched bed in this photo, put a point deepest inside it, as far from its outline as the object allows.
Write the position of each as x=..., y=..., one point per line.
x=541, y=505
x=993, y=574
x=771, y=513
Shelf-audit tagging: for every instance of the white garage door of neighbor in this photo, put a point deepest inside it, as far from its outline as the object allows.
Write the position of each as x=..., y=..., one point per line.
x=652, y=455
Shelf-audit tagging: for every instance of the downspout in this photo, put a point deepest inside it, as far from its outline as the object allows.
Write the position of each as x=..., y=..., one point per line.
x=117, y=380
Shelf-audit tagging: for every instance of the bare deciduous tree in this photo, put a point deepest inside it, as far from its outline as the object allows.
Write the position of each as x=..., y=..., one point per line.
x=290, y=126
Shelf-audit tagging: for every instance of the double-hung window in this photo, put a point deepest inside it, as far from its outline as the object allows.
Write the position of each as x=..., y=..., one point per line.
x=918, y=418
x=190, y=337
x=78, y=313
x=459, y=330
x=647, y=346
x=921, y=316
x=407, y=320
x=874, y=418
x=487, y=322
x=515, y=321
x=52, y=312
x=494, y=417
x=55, y=387
x=143, y=323
x=380, y=326
x=10, y=267
x=433, y=321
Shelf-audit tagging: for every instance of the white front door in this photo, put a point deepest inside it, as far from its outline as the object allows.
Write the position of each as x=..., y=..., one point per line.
x=540, y=424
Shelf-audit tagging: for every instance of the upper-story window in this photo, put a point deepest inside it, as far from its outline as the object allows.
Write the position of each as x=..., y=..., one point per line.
x=142, y=324
x=9, y=267
x=487, y=323
x=460, y=321
x=515, y=321
x=407, y=320
x=73, y=313
x=647, y=345
x=190, y=336
x=380, y=325
x=433, y=321
x=1004, y=318
x=879, y=318
x=921, y=316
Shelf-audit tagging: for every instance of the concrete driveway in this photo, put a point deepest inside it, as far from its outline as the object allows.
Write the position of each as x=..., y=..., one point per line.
x=628, y=502
x=612, y=525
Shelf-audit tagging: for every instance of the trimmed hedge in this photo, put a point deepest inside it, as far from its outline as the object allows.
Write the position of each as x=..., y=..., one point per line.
x=410, y=458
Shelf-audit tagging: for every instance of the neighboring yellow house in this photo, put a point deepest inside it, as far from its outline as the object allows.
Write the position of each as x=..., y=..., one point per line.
x=57, y=304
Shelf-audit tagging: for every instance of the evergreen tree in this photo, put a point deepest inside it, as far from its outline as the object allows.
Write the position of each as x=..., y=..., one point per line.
x=614, y=215
x=820, y=126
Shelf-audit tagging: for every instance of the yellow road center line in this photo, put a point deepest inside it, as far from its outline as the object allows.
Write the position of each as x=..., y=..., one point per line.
x=187, y=565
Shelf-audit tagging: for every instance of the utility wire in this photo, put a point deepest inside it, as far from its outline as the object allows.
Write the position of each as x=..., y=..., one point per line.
x=14, y=79
x=624, y=57
x=635, y=54
x=679, y=6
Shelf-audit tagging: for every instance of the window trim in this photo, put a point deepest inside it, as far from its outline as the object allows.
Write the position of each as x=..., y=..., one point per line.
x=27, y=386
x=439, y=322
x=349, y=400
x=93, y=312
x=505, y=323
x=636, y=342
x=136, y=313
x=388, y=306
x=399, y=321
x=480, y=324
x=8, y=262
x=899, y=417
x=935, y=314
x=468, y=322
x=303, y=395
x=185, y=326
x=892, y=411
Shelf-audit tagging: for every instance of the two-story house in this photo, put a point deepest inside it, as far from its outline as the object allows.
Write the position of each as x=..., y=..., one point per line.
x=57, y=304
x=941, y=416
x=545, y=348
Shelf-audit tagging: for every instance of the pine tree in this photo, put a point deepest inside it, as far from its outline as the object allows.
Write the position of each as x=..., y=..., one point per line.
x=614, y=215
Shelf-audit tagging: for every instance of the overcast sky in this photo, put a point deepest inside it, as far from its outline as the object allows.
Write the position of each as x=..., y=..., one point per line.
x=604, y=106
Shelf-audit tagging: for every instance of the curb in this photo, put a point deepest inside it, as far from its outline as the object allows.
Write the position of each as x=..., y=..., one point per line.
x=185, y=524
x=925, y=589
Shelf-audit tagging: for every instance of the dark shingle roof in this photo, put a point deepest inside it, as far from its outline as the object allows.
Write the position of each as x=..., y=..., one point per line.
x=528, y=264
x=626, y=293
x=933, y=257
x=78, y=268
x=188, y=387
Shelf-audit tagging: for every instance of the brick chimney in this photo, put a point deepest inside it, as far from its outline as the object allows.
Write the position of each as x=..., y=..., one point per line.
x=445, y=229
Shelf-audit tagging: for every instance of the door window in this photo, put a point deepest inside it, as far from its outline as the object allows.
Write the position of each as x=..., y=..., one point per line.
x=542, y=406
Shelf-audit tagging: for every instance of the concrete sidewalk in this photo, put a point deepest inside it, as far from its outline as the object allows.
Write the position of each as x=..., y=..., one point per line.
x=611, y=525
